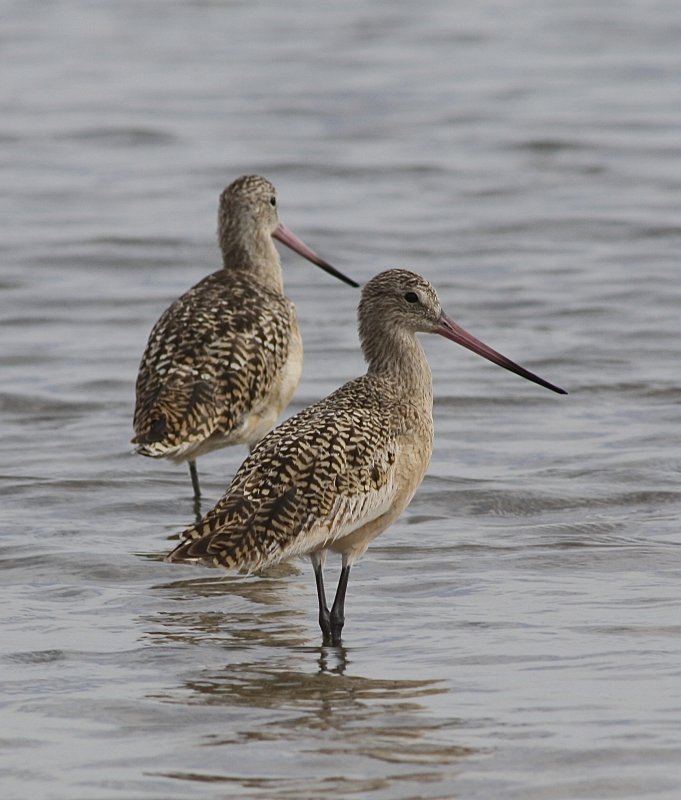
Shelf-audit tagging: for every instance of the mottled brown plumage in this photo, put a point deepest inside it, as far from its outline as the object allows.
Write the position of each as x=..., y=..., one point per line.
x=225, y=358
x=314, y=478
x=207, y=370
x=338, y=473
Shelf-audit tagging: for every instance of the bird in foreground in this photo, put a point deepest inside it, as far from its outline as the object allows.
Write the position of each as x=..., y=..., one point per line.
x=338, y=473
x=224, y=360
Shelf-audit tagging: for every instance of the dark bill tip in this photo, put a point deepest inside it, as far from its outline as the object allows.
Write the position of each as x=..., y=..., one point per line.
x=287, y=237
x=450, y=330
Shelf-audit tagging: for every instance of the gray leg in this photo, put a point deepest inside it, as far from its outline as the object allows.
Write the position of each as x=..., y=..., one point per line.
x=195, y=479
x=324, y=616
x=337, y=616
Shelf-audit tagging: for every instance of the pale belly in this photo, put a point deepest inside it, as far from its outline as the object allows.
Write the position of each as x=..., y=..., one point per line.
x=411, y=465
x=262, y=420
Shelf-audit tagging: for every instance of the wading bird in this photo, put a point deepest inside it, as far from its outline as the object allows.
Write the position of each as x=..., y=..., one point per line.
x=339, y=472
x=224, y=360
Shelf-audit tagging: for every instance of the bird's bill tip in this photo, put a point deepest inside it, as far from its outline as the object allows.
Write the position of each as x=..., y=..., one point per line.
x=287, y=237
x=450, y=330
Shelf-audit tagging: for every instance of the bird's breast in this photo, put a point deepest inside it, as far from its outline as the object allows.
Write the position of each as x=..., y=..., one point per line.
x=263, y=418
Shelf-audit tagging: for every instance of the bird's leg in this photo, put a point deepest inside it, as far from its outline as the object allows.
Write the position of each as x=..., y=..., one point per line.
x=324, y=616
x=195, y=479
x=338, y=607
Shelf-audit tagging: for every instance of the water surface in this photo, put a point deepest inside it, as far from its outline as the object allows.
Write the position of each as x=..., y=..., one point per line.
x=516, y=634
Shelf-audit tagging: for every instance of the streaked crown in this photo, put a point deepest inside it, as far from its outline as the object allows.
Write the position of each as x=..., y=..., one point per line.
x=399, y=299
x=249, y=201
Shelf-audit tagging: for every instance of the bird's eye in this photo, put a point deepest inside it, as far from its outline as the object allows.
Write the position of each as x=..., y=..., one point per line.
x=411, y=297
x=273, y=201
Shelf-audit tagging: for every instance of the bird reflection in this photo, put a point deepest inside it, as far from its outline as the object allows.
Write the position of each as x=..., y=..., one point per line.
x=333, y=659
x=257, y=615
x=323, y=697
x=332, y=714
x=256, y=663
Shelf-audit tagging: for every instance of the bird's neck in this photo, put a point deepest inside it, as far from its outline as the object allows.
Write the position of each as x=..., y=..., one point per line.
x=398, y=356
x=254, y=255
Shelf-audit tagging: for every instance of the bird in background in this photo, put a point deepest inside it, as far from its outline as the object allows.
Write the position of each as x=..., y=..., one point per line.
x=338, y=473
x=224, y=360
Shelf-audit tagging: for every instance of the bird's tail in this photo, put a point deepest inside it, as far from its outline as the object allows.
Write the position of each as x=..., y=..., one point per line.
x=243, y=539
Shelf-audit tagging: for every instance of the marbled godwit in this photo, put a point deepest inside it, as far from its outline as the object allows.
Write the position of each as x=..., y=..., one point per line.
x=339, y=472
x=224, y=360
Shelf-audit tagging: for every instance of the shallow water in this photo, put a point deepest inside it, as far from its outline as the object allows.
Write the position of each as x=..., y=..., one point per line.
x=517, y=633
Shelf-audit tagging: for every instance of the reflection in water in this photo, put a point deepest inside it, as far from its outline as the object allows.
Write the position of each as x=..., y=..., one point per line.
x=278, y=702
x=346, y=724
x=333, y=659
x=239, y=617
x=263, y=590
